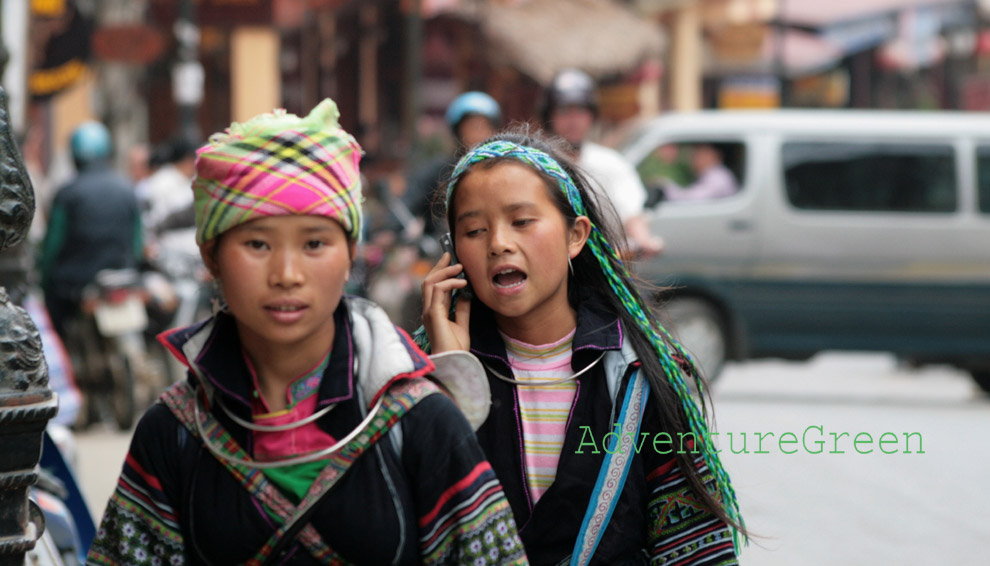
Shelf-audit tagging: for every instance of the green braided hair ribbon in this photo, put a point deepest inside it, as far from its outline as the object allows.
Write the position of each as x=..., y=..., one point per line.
x=614, y=269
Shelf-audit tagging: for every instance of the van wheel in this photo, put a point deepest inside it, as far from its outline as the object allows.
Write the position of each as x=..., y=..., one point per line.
x=699, y=328
x=982, y=378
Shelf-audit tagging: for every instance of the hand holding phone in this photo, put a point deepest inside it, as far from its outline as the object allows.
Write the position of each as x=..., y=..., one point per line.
x=447, y=244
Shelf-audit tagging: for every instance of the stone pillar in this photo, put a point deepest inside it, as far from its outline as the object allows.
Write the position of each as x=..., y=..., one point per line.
x=26, y=401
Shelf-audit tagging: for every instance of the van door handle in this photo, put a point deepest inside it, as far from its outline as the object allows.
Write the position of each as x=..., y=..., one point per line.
x=740, y=225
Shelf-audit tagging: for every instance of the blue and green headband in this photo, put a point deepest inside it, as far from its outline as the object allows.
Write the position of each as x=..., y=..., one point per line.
x=617, y=274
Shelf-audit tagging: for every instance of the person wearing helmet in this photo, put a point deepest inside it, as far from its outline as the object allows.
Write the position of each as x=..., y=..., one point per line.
x=94, y=224
x=570, y=111
x=472, y=117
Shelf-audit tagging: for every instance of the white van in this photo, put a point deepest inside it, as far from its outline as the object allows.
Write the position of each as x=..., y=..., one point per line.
x=849, y=230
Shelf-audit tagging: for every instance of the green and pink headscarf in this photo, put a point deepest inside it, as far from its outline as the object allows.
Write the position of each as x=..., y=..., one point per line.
x=277, y=164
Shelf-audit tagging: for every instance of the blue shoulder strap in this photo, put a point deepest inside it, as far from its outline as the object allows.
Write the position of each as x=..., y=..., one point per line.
x=613, y=473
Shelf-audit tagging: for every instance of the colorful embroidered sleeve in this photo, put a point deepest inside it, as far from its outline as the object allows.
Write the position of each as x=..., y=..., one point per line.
x=464, y=517
x=140, y=525
x=681, y=530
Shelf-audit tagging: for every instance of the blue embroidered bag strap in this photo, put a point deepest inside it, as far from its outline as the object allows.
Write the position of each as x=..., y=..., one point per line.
x=613, y=473
x=402, y=396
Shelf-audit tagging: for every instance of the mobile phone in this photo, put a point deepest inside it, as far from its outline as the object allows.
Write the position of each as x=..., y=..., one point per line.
x=447, y=245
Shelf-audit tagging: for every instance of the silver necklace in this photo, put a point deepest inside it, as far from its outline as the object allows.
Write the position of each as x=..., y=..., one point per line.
x=312, y=457
x=544, y=383
x=273, y=428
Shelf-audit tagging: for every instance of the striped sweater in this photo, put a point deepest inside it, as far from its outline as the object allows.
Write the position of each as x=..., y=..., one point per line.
x=544, y=409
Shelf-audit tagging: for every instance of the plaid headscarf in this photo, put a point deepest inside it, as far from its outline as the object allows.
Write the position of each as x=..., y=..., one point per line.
x=277, y=164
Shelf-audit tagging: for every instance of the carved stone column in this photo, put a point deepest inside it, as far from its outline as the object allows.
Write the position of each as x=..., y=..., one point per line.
x=26, y=401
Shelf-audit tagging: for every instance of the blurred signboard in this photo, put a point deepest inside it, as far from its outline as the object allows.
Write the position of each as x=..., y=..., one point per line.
x=137, y=44
x=60, y=44
x=749, y=92
x=225, y=13
x=743, y=42
x=618, y=102
x=824, y=90
x=975, y=93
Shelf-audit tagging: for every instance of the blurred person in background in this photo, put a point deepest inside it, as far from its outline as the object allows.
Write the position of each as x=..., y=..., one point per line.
x=94, y=224
x=168, y=200
x=570, y=111
x=666, y=163
x=472, y=117
x=138, y=163
x=714, y=179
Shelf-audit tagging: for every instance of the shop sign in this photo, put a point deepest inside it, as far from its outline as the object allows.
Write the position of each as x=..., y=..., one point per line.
x=749, y=92
x=223, y=13
x=137, y=44
x=63, y=36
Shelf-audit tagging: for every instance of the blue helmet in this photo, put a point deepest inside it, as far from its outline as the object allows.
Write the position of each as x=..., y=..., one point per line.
x=90, y=142
x=473, y=102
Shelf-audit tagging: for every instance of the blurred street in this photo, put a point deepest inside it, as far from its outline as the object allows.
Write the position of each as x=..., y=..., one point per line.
x=816, y=509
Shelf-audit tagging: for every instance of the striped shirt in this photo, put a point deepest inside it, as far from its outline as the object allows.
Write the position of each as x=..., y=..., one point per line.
x=544, y=410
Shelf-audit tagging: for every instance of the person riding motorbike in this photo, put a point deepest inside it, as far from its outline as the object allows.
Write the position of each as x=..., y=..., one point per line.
x=472, y=117
x=409, y=235
x=570, y=111
x=94, y=224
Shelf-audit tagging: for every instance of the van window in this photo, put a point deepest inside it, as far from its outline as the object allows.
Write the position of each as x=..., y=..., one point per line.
x=870, y=176
x=686, y=170
x=983, y=176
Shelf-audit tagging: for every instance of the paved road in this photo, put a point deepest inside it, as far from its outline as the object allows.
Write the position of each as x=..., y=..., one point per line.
x=852, y=508
x=818, y=509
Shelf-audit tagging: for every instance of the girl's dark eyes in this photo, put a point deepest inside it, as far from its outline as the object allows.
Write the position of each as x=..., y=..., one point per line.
x=256, y=244
x=473, y=233
x=315, y=244
x=522, y=221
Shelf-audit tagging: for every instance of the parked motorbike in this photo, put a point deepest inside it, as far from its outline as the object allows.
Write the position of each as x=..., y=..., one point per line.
x=106, y=343
x=68, y=525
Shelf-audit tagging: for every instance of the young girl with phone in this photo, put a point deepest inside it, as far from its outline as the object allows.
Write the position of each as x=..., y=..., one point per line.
x=587, y=387
x=310, y=430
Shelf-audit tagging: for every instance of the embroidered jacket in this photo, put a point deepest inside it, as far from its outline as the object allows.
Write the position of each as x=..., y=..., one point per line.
x=429, y=497
x=658, y=520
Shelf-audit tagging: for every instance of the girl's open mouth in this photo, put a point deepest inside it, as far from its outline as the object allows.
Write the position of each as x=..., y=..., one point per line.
x=509, y=278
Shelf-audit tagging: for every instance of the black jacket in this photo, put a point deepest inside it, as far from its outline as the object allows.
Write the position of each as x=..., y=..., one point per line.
x=650, y=522
x=94, y=224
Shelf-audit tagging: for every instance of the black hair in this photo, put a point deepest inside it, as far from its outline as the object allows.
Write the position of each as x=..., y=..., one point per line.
x=588, y=276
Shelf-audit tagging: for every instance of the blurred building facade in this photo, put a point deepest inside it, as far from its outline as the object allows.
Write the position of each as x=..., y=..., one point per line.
x=907, y=54
x=155, y=68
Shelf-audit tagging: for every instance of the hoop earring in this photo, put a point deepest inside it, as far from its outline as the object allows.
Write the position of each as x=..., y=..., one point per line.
x=570, y=265
x=217, y=302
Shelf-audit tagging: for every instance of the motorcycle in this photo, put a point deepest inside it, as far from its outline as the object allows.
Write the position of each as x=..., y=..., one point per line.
x=107, y=345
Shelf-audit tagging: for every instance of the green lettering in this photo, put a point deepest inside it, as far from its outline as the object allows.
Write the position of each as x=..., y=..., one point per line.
x=804, y=440
x=835, y=446
x=711, y=444
x=760, y=436
x=859, y=440
x=693, y=446
x=732, y=445
x=907, y=443
x=616, y=445
x=791, y=440
x=883, y=440
x=587, y=432
x=668, y=441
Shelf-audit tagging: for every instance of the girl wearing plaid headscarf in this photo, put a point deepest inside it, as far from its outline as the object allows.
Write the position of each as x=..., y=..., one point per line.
x=310, y=429
x=590, y=402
